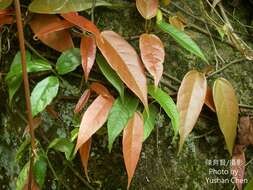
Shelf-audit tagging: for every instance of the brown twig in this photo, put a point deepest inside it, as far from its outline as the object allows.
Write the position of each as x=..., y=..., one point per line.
x=26, y=86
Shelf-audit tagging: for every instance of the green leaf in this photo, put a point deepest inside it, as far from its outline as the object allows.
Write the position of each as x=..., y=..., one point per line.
x=22, y=177
x=63, y=145
x=5, y=3
x=227, y=110
x=40, y=169
x=119, y=116
x=110, y=75
x=249, y=185
x=68, y=61
x=14, y=76
x=149, y=120
x=182, y=38
x=21, y=149
x=167, y=104
x=43, y=94
x=63, y=6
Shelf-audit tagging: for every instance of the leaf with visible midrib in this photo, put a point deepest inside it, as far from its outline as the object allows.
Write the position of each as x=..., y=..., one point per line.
x=190, y=100
x=43, y=94
x=68, y=61
x=119, y=116
x=132, y=144
x=63, y=6
x=183, y=39
x=149, y=120
x=110, y=75
x=167, y=104
x=227, y=110
x=122, y=57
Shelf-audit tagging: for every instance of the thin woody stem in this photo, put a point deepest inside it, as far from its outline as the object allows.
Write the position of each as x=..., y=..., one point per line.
x=26, y=87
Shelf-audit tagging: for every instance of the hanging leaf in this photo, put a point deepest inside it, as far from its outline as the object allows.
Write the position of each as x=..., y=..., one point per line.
x=59, y=40
x=82, y=101
x=63, y=145
x=119, y=115
x=93, y=119
x=227, y=110
x=53, y=27
x=167, y=104
x=149, y=120
x=85, y=154
x=238, y=166
x=88, y=53
x=147, y=8
x=122, y=57
x=100, y=89
x=190, y=100
x=82, y=22
x=110, y=75
x=183, y=39
x=59, y=6
x=14, y=76
x=209, y=99
x=68, y=61
x=5, y=3
x=43, y=94
x=40, y=169
x=152, y=55
x=132, y=144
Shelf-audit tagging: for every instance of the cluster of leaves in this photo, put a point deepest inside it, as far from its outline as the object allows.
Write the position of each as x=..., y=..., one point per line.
x=121, y=65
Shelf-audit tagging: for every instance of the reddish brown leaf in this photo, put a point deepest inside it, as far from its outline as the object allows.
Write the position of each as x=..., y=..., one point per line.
x=88, y=52
x=122, y=57
x=53, y=27
x=100, y=89
x=60, y=40
x=82, y=22
x=190, y=100
x=4, y=19
x=147, y=8
x=245, y=131
x=93, y=119
x=7, y=12
x=238, y=166
x=132, y=144
x=84, y=152
x=82, y=101
x=152, y=54
x=209, y=99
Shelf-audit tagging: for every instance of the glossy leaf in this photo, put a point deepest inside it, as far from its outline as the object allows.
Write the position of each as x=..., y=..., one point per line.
x=149, y=120
x=167, y=104
x=56, y=26
x=132, y=144
x=152, y=55
x=43, y=94
x=5, y=3
x=68, y=61
x=209, y=99
x=63, y=145
x=238, y=166
x=122, y=57
x=227, y=110
x=182, y=38
x=59, y=40
x=82, y=101
x=60, y=6
x=88, y=53
x=119, y=115
x=190, y=100
x=110, y=75
x=93, y=119
x=84, y=152
x=147, y=8
x=100, y=89
x=14, y=76
x=82, y=22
